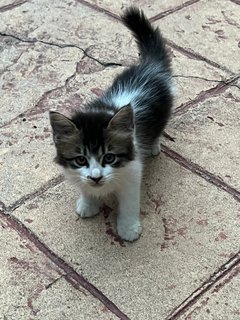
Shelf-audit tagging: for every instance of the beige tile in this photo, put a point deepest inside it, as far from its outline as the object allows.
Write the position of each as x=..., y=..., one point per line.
x=69, y=23
x=192, y=77
x=25, y=276
x=190, y=227
x=26, y=158
x=28, y=71
x=151, y=8
x=210, y=28
x=209, y=135
x=220, y=302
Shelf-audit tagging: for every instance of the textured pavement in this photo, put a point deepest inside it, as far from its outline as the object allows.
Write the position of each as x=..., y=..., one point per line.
x=59, y=54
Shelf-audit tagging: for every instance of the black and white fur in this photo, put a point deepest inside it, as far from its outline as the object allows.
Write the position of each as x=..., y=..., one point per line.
x=103, y=148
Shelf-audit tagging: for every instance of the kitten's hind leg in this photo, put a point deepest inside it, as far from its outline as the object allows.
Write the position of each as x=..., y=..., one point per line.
x=156, y=147
x=87, y=206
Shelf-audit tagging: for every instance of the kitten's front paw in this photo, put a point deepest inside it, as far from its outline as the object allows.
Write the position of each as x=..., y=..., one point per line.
x=87, y=209
x=156, y=149
x=129, y=231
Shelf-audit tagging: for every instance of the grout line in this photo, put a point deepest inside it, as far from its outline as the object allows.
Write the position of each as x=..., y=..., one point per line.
x=196, y=56
x=50, y=184
x=72, y=276
x=172, y=10
x=224, y=270
x=203, y=173
x=13, y=5
x=207, y=94
x=99, y=9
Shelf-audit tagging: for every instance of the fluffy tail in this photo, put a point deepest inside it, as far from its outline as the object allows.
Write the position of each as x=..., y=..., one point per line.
x=149, y=40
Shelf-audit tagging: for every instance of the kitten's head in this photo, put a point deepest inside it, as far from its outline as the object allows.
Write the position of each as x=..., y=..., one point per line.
x=94, y=147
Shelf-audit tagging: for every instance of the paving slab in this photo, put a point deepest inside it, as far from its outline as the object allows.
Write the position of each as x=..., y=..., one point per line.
x=190, y=229
x=151, y=8
x=105, y=44
x=30, y=70
x=69, y=23
x=28, y=287
x=209, y=135
x=210, y=28
x=220, y=302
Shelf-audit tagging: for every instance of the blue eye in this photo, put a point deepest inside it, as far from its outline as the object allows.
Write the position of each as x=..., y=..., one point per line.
x=81, y=161
x=109, y=158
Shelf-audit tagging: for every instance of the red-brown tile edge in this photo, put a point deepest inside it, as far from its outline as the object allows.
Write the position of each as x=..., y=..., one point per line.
x=196, y=56
x=203, y=173
x=236, y=1
x=72, y=276
x=48, y=185
x=13, y=5
x=99, y=9
x=214, y=279
x=172, y=10
x=204, y=95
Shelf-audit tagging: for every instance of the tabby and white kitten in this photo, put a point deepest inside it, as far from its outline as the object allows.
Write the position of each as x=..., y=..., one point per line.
x=102, y=148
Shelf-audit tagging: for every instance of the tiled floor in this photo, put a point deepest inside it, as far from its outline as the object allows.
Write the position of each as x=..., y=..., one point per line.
x=58, y=55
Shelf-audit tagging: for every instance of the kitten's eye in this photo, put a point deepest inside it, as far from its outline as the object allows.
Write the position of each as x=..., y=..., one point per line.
x=109, y=158
x=81, y=161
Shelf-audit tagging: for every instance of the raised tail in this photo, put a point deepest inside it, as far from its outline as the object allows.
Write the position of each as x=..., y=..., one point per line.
x=149, y=40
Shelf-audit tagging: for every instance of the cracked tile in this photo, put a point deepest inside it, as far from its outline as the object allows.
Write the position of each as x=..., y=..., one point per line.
x=69, y=23
x=210, y=28
x=28, y=76
x=184, y=221
x=209, y=134
x=151, y=8
x=220, y=302
x=25, y=276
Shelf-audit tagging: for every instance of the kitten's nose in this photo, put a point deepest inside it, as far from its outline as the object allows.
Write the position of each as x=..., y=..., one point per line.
x=95, y=179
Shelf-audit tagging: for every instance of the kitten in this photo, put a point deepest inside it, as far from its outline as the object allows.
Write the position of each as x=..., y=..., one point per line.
x=102, y=148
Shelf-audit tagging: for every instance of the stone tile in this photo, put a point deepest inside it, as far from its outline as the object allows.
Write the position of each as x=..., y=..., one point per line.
x=69, y=23
x=107, y=44
x=26, y=158
x=190, y=228
x=210, y=28
x=64, y=302
x=28, y=71
x=220, y=302
x=192, y=77
x=25, y=276
x=151, y=8
x=209, y=135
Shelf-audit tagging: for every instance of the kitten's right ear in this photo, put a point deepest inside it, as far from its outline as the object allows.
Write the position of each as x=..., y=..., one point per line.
x=61, y=125
x=123, y=121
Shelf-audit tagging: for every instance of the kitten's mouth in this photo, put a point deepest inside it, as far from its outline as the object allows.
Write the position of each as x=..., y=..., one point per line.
x=96, y=185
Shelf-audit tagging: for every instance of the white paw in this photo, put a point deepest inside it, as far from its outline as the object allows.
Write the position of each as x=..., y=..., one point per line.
x=87, y=209
x=129, y=231
x=156, y=149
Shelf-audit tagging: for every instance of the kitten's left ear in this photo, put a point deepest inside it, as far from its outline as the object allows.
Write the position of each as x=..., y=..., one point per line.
x=123, y=120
